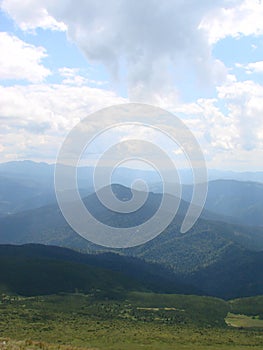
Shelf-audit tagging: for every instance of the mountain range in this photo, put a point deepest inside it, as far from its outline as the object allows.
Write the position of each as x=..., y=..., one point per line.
x=210, y=254
x=221, y=255
x=28, y=185
x=35, y=269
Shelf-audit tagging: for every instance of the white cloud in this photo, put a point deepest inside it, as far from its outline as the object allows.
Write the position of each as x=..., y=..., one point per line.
x=35, y=118
x=215, y=131
x=20, y=60
x=30, y=15
x=236, y=133
x=252, y=67
x=229, y=127
x=150, y=42
x=245, y=104
x=235, y=18
x=73, y=76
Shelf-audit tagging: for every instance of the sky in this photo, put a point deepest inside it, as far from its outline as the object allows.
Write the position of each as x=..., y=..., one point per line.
x=200, y=60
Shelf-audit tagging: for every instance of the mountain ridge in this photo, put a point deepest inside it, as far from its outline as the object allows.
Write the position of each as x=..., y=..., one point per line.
x=52, y=269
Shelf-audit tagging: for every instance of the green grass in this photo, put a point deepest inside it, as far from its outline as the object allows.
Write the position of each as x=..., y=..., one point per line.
x=245, y=321
x=10, y=344
x=143, y=321
x=252, y=306
x=195, y=310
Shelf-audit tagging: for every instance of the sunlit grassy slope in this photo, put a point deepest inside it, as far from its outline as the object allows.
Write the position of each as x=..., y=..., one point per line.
x=142, y=321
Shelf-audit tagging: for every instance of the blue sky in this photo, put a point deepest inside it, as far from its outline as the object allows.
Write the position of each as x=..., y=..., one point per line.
x=202, y=61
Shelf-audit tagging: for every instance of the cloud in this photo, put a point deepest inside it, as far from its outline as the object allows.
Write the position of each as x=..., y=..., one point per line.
x=31, y=15
x=149, y=46
x=20, y=60
x=236, y=18
x=149, y=42
x=73, y=76
x=245, y=104
x=36, y=117
x=236, y=133
x=228, y=127
x=252, y=67
x=214, y=130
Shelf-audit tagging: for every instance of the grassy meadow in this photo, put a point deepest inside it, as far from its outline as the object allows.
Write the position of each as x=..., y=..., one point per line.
x=138, y=321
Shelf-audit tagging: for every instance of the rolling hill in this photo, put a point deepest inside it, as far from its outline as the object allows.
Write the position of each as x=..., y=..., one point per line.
x=203, y=250
x=39, y=269
x=242, y=201
x=235, y=197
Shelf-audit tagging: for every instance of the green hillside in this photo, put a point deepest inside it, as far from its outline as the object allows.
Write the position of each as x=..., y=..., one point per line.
x=142, y=320
x=238, y=199
x=214, y=256
x=37, y=269
x=252, y=306
x=104, y=301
